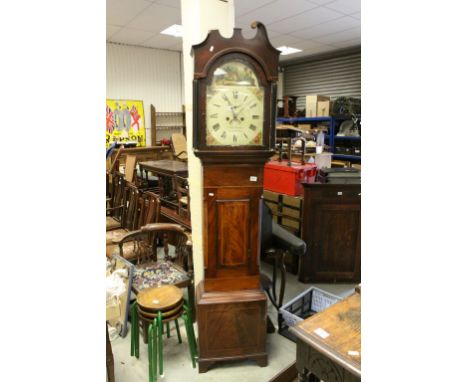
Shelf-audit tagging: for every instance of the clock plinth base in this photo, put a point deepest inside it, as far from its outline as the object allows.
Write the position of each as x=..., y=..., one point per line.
x=231, y=326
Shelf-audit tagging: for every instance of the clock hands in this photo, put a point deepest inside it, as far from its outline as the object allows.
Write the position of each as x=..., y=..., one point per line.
x=231, y=107
x=237, y=115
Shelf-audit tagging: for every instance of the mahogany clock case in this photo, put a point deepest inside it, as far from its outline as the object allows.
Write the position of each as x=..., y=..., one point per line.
x=267, y=107
x=256, y=53
x=231, y=306
x=231, y=326
x=232, y=196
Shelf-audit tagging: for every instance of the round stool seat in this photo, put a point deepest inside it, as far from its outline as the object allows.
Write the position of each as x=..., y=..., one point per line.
x=174, y=316
x=161, y=298
x=165, y=314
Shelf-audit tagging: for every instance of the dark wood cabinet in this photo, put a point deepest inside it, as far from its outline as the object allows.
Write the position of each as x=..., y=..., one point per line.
x=332, y=231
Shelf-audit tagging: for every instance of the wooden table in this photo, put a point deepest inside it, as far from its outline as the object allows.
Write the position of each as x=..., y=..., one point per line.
x=329, y=343
x=165, y=169
x=168, y=215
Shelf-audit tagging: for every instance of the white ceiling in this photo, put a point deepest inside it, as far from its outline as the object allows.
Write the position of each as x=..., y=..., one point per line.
x=316, y=26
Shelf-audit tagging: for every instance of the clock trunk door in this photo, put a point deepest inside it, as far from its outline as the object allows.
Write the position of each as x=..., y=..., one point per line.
x=232, y=221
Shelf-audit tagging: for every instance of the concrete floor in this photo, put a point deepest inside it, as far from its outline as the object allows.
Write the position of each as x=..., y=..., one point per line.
x=177, y=364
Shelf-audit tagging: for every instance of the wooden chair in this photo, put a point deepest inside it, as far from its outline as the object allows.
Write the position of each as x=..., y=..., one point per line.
x=175, y=268
x=130, y=164
x=115, y=203
x=143, y=208
x=179, y=146
x=111, y=166
x=183, y=196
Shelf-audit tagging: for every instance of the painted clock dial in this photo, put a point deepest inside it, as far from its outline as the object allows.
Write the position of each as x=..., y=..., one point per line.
x=234, y=106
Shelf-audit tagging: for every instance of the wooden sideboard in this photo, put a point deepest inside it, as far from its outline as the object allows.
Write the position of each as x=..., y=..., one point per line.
x=331, y=229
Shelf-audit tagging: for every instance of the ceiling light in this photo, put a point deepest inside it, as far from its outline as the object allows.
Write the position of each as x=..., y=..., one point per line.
x=174, y=30
x=288, y=50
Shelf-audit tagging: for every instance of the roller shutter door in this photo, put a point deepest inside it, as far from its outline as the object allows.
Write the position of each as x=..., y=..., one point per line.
x=338, y=76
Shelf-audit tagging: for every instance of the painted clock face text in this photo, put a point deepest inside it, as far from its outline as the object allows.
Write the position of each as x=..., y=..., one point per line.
x=234, y=107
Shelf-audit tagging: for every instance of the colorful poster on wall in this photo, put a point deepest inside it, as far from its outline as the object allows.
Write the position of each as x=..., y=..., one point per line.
x=125, y=122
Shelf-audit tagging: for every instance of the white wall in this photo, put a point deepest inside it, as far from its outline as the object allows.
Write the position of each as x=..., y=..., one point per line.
x=151, y=75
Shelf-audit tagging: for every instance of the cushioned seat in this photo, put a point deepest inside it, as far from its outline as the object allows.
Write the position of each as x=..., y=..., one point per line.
x=161, y=273
x=111, y=223
x=116, y=234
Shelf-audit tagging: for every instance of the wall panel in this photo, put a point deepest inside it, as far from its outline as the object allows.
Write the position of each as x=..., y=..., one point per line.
x=151, y=75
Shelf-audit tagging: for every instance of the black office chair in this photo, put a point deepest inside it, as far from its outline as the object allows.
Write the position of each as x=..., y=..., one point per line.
x=276, y=241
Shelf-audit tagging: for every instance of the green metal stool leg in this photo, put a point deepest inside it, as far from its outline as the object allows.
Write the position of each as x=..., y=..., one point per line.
x=150, y=353
x=160, y=347
x=189, y=337
x=178, y=331
x=168, y=329
x=137, y=335
x=155, y=349
x=190, y=327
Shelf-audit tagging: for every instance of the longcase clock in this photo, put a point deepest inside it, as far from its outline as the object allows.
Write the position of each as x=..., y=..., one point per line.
x=234, y=117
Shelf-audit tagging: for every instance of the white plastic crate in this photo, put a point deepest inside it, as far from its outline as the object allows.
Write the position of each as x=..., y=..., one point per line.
x=309, y=302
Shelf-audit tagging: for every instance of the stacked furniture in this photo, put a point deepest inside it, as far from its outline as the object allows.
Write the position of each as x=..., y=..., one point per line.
x=138, y=209
x=156, y=308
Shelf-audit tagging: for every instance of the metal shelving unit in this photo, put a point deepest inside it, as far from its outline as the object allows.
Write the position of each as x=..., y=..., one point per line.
x=331, y=137
x=313, y=120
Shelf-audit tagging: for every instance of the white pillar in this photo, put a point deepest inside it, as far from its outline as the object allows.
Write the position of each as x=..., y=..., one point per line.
x=198, y=17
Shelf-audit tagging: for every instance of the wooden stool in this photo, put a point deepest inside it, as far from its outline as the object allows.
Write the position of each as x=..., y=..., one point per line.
x=156, y=307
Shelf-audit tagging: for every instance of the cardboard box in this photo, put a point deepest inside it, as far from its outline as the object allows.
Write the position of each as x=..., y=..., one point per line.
x=323, y=109
x=312, y=102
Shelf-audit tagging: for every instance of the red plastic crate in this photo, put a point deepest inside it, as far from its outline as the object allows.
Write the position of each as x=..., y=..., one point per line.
x=284, y=179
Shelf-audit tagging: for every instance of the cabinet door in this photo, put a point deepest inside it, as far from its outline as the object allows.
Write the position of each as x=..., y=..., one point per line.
x=232, y=238
x=335, y=242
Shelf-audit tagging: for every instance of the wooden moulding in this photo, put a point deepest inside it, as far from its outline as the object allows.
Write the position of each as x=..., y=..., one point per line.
x=231, y=326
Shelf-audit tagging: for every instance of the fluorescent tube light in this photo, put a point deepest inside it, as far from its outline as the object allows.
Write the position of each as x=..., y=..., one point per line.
x=174, y=30
x=288, y=50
